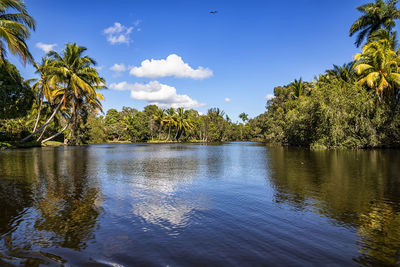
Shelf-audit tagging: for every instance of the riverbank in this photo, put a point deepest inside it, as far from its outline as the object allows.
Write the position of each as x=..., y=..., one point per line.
x=15, y=144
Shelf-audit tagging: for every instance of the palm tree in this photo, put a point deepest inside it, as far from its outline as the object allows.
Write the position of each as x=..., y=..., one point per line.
x=378, y=15
x=380, y=34
x=345, y=72
x=74, y=81
x=183, y=122
x=42, y=87
x=298, y=88
x=15, y=23
x=170, y=120
x=77, y=72
x=378, y=67
x=159, y=117
x=244, y=117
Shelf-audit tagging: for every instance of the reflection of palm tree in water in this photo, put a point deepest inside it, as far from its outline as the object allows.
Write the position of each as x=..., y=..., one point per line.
x=354, y=188
x=69, y=207
x=61, y=204
x=380, y=235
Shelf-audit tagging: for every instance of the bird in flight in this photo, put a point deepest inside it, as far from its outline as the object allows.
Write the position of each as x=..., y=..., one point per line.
x=214, y=12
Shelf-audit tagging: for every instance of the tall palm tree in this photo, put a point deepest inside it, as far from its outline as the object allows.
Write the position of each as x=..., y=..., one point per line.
x=380, y=34
x=15, y=23
x=378, y=15
x=159, y=118
x=75, y=82
x=183, y=122
x=378, y=67
x=170, y=120
x=81, y=81
x=41, y=87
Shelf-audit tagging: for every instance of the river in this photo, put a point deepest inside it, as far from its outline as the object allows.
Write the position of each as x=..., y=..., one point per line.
x=235, y=204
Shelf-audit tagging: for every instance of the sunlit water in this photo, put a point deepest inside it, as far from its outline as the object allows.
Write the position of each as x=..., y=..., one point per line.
x=190, y=204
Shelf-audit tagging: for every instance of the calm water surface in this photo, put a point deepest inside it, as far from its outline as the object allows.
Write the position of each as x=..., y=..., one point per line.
x=189, y=204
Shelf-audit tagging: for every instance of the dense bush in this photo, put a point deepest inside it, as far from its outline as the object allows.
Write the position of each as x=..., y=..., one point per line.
x=333, y=114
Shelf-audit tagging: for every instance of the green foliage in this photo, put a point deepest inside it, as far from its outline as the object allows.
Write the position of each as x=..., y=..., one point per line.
x=15, y=23
x=376, y=16
x=353, y=106
x=16, y=96
x=113, y=127
x=337, y=114
x=137, y=127
x=96, y=130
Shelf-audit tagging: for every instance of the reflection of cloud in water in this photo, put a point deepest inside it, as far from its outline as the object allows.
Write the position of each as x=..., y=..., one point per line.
x=166, y=215
x=163, y=206
x=156, y=179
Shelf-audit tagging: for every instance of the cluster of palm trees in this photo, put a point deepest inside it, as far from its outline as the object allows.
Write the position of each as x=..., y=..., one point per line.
x=68, y=81
x=178, y=119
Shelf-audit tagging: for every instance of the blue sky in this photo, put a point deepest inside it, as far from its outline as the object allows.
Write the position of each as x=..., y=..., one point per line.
x=249, y=47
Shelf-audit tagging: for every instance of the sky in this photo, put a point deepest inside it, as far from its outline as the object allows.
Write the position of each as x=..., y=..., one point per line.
x=176, y=53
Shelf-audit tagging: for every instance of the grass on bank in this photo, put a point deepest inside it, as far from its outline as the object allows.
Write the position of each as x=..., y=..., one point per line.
x=53, y=143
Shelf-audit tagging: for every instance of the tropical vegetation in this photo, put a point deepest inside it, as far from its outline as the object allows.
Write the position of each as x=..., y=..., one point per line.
x=353, y=105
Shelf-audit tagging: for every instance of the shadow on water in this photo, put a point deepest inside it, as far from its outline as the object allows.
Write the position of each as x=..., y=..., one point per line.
x=356, y=189
x=46, y=201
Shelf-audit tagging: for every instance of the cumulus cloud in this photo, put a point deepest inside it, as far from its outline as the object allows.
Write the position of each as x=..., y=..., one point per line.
x=46, y=47
x=157, y=93
x=269, y=96
x=118, y=67
x=173, y=65
x=118, y=34
x=227, y=99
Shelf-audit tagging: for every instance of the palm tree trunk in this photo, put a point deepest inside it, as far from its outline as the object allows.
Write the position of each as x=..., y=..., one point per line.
x=40, y=137
x=169, y=132
x=177, y=134
x=57, y=134
x=44, y=125
x=74, y=122
x=38, y=116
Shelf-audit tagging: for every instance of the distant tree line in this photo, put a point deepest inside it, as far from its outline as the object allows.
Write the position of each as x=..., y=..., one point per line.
x=166, y=125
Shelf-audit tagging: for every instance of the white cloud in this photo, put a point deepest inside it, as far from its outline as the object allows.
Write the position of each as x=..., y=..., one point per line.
x=99, y=68
x=118, y=34
x=173, y=65
x=227, y=99
x=118, y=67
x=46, y=47
x=157, y=93
x=269, y=96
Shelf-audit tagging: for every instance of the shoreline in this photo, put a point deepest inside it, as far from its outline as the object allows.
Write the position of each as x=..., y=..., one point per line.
x=5, y=145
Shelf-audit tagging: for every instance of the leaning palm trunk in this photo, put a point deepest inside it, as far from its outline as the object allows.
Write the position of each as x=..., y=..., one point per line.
x=169, y=132
x=44, y=125
x=38, y=116
x=57, y=134
x=44, y=130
